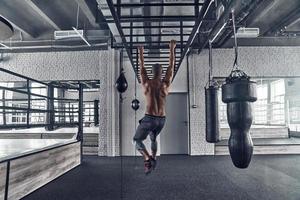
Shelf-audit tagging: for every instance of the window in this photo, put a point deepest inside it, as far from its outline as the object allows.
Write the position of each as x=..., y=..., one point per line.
x=38, y=103
x=277, y=101
x=261, y=105
x=88, y=112
x=269, y=109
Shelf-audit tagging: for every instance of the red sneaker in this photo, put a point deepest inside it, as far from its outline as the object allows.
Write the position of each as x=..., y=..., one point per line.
x=148, y=167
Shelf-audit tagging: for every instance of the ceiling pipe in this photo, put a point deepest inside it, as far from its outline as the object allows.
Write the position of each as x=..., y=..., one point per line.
x=241, y=18
x=53, y=46
x=220, y=23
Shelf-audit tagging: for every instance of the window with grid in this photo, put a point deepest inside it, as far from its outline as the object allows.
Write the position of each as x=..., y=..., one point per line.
x=260, y=107
x=88, y=108
x=38, y=103
x=277, y=101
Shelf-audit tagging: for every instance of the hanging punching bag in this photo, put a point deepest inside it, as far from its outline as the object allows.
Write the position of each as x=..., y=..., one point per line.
x=211, y=114
x=238, y=92
x=121, y=83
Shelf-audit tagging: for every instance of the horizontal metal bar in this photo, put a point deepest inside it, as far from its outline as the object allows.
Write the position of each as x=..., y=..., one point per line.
x=157, y=57
x=35, y=152
x=152, y=42
x=13, y=112
x=162, y=26
x=23, y=92
x=32, y=110
x=33, y=94
x=198, y=23
x=131, y=5
x=160, y=52
x=11, y=126
x=165, y=46
x=62, y=99
x=38, y=99
x=117, y=23
x=188, y=18
x=165, y=66
x=154, y=61
x=160, y=34
x=178, y=17
x=22, y=76
x=25, y=87
x=64, y=111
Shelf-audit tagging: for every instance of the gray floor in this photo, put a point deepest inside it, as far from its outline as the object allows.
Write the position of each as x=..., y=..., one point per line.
x=178, y=178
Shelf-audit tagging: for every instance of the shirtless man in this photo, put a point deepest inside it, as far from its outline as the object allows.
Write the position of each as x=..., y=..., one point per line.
x=156, y=91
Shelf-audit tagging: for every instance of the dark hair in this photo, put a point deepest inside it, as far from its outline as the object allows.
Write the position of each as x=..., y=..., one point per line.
x=156, y=70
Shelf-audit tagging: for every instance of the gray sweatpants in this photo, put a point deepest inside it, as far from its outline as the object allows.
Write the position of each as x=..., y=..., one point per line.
x=149, y=125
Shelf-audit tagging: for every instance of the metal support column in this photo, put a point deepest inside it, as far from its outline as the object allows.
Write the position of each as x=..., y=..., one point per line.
x=80, y=117
x=50, y=107
x=4, y=105
x=28, y=104
x=96, y=112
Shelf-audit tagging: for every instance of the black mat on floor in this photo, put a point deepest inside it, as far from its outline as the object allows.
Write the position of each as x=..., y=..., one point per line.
x=177, y=178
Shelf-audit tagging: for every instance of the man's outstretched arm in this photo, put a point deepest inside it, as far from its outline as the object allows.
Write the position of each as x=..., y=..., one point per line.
x=170, y=70
x=144, y=76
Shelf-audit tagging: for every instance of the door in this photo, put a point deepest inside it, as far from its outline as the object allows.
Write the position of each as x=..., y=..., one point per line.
x=174, y=137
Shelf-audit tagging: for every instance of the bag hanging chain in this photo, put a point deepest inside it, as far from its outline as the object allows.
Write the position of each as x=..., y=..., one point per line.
x=210, y=64
x=236, y=73
x=235, y=64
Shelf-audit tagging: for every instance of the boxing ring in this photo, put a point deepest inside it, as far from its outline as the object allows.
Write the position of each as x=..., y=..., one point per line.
x=34, y=153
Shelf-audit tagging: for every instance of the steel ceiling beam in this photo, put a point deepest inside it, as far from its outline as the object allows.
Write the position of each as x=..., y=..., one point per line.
x=121, y=33
x=286, y=21
x=220, y=23
x=131, y=5
x=42, y=14
x=129, y=40
x=241, y=18
x=87, y=12
x=185, y=18
x=198, y=23
x=160, y=34
x=161, y=26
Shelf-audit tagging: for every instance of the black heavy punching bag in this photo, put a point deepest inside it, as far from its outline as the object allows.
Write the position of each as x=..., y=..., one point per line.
x=121, y=83
x=238, y=92
x=211, y=105
x=211, y=114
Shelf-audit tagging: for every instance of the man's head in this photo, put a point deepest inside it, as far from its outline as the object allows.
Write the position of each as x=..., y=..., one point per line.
x=156, y=70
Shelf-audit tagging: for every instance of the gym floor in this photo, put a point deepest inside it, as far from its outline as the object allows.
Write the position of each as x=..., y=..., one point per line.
x=178, y=177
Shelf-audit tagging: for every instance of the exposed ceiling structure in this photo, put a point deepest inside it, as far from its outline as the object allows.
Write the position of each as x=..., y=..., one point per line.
x=35, y=23
x=151, y=23
x=193, y=23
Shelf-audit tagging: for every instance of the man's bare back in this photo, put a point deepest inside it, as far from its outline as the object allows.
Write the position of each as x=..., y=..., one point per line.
x=156, y=90
x=155, y=93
